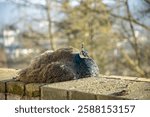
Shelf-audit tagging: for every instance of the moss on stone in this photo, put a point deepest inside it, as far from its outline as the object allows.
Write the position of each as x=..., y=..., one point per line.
x=2, y=87
x=34, y=94
x=15, y=88
x=33, y=89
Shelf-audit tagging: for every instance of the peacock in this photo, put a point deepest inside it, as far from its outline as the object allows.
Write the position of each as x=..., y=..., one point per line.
x=63, y=64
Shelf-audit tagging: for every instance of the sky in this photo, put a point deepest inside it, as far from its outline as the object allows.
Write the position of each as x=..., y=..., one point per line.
x=8, y=13
x=137, y=7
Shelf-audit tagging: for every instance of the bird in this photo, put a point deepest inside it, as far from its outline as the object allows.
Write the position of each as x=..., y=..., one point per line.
x=61, y=65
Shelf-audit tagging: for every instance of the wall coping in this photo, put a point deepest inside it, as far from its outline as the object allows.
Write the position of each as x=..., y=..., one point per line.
x=100, y=88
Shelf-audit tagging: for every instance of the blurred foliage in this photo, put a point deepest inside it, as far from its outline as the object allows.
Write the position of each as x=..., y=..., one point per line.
x=109, y=37
x=83, y=24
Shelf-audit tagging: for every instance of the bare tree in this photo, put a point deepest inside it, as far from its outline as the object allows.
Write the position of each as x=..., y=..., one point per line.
x=43, y=8
x=49, y=19
x=92, y=22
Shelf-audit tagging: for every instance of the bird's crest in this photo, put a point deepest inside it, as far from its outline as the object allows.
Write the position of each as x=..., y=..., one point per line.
x=83, y=52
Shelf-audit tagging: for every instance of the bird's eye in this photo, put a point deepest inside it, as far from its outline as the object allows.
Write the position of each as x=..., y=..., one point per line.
x=83, y=54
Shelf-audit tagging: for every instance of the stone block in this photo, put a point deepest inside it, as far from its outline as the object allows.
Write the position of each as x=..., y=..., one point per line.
x=76, y=95
x=2, y=87
x=14, y=97
x=33, y=89
x=2, y=96
x=49, y=93
x=30, y=98
x=108, y=97
x=15, y=87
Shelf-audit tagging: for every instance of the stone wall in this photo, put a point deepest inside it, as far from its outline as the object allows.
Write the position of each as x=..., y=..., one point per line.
x=101, y=88
x=12, y=90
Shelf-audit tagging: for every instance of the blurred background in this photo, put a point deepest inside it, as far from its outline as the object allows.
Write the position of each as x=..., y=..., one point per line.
x=116, y=33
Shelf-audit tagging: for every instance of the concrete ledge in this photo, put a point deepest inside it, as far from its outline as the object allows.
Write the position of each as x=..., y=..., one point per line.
x=49, y=93
x=101, y=88
x=127, y=78
x=76, y=95
x=107, y=97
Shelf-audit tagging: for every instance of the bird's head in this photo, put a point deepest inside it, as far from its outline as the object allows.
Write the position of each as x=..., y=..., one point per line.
x=83, y=52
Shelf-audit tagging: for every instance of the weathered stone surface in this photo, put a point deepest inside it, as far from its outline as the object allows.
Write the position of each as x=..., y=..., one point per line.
x=113, y=88
x=6, y=73
x=2, y=96
x=15, y=87
x=19, y=97
x=49, y=93
x=30, y=98
x=75, y=95
x=107, y=97
x=33, y=89
x=14, y=97
x=102, y=88
x=2, y=87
